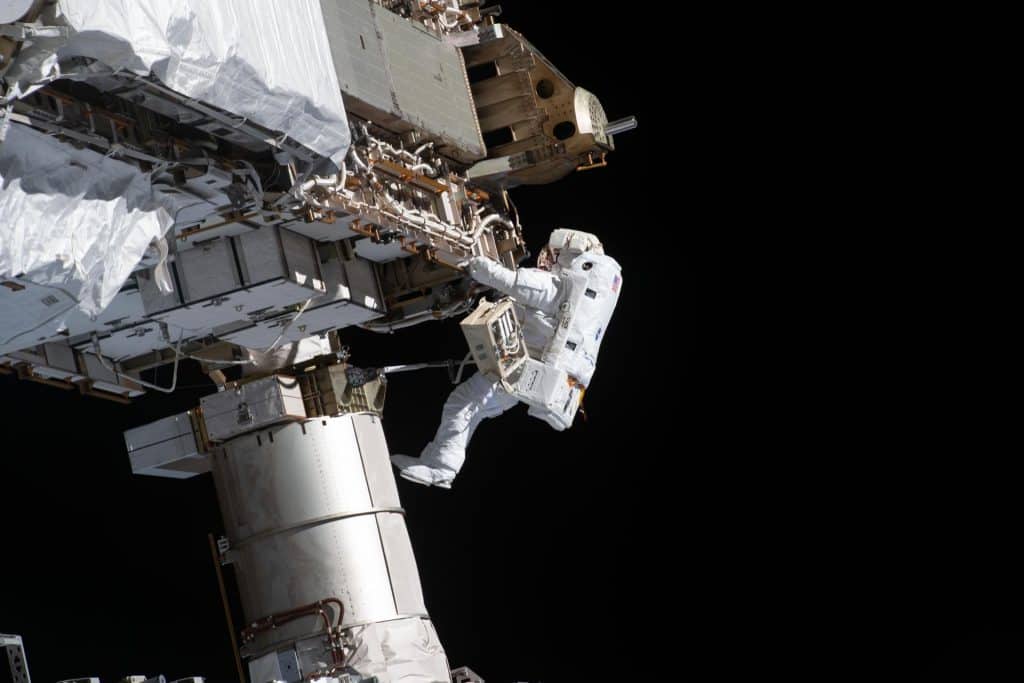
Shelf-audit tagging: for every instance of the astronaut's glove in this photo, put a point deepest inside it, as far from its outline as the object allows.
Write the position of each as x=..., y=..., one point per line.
x=476, y=266
x=492, y=274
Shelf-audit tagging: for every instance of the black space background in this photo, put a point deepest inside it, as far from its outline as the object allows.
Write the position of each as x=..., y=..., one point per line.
x=537, y=566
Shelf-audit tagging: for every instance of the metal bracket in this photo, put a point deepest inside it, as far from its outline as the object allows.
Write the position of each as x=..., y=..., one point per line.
x=224, y=551
x=15, y=650
x=465, y=675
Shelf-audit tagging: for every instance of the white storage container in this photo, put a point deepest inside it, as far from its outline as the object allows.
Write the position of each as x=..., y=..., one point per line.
x=237, y=279
x=166, y=448
x=252, y=406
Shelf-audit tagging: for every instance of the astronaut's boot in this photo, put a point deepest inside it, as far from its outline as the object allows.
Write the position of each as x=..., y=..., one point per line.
x=419, y=472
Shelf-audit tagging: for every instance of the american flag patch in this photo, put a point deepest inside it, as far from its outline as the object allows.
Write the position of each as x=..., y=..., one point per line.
x=616, y=283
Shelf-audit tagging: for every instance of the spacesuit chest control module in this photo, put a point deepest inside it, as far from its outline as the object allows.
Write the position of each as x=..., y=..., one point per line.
x=538, y=346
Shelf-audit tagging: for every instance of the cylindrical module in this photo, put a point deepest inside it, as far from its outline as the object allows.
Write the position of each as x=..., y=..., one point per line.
x=314, y=523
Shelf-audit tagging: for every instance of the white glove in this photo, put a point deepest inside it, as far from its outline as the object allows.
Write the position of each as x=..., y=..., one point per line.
x=475, y=266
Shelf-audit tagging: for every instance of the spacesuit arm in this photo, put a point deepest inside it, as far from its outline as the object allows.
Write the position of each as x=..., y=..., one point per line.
x=530, y=287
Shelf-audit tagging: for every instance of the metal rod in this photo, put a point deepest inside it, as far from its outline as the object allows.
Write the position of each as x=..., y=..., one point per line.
x=620, y=126
x=165, y=390
x=227, y=609
x=313, y=609
x=409, y=367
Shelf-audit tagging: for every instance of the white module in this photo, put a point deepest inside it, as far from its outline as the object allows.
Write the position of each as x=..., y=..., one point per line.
x=315, y=525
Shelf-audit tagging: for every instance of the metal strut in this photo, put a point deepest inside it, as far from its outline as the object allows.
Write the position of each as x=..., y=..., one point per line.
x=454, y=367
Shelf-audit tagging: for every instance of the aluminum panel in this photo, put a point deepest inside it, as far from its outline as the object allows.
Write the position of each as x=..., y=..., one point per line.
x=376, y=460
x=326, y=232
x=342, y=559
x=352, y=297
x=400, y=69
x=265, y=669
x=284, y=262
x=204, y=216
x=405, y=577
x=22, y=310
x=273, y=294
x=185, y=468
x=33, y=355
x=354, y=280
x=96, y=370
x=301, y=475
x=235, y=306
x=357, y=52
x=132, y=341
x=165, y=429
x=57, y=374
x=126, y=308
x=271, y=253
x=258, y=336
x=364, y=284
x=153, y=300
x=329, y=317
x=165, y=459
x=335, y=281
x=208, y=270
x=429, y=81
x=260, y=254
x=204, y=315
x=60, y=357
x=380, y=252
x=300, y=259
x=104, y=379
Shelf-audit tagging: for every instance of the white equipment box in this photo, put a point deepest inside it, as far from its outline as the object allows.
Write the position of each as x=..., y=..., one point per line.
x=352, y=297
x=252, y=406
x=234, y=278
x=495, y=338
x=167, y=448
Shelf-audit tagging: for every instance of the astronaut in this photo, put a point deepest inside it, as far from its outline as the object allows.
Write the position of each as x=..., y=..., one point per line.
x=564, y=305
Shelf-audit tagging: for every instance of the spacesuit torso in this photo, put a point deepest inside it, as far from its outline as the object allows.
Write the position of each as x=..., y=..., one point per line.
x=564, y=314
x=591, y=287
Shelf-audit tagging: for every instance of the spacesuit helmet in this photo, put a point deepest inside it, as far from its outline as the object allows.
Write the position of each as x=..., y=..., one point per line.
x=566, y=244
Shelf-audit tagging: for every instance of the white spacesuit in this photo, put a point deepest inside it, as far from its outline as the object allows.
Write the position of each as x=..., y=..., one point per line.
x=564, y=306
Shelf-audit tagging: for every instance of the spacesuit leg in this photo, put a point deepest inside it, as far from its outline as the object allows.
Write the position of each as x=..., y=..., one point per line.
x=473, y=401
